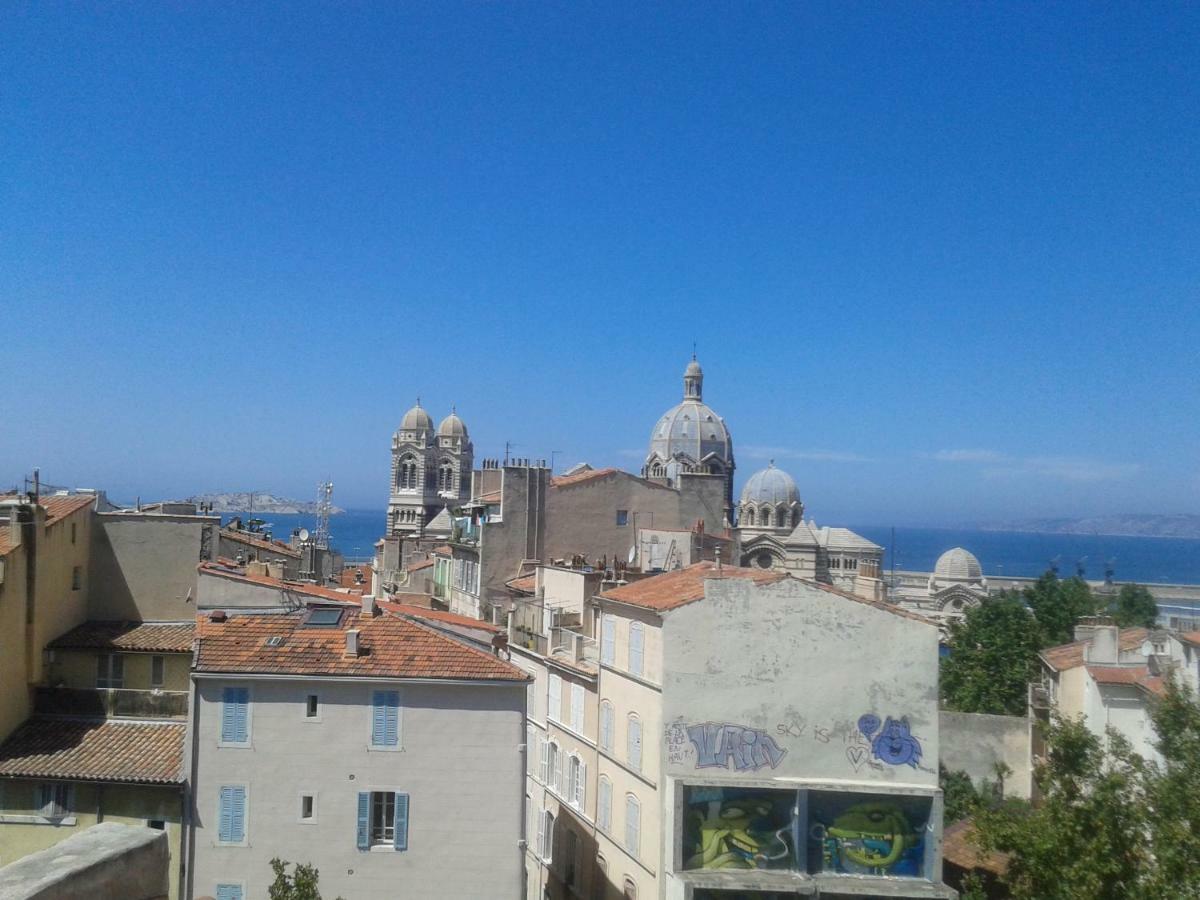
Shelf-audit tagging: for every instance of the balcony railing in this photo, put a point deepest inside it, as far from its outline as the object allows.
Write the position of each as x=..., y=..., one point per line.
x=112, y=703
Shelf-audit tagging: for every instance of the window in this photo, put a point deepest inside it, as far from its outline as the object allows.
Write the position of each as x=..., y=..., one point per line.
x=307, y=807
x=576, y=787
x=382, y=820
x=554, y=710
x=608, y=640
x=385, y=719
x=570, y=858
x=157, y=824
x=235, y=715
x=530, y=744
x=749, y=517
x=604, y=804
x=634, y=743
x=110, y=670
x=606, y=725
x=229, y=892
x=637, y=642
x=577, y=708
x=600, y=882
x=311, y=707
x=629, y=890
x=545, y=839
x=554, y=765
x=633, y=824
x=622, y=517
x=157, y=664
x=76, y=578
x=231, y=816
x=72, y=532
x=54, y=799
x=544, y=769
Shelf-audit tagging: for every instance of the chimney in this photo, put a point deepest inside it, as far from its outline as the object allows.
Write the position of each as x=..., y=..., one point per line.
x=352, y=642
x=368, y=606
x=217, y=615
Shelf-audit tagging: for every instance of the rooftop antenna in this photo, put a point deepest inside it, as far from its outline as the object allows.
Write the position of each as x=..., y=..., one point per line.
x=553, y=453
x=324, y=509
x=508, y=446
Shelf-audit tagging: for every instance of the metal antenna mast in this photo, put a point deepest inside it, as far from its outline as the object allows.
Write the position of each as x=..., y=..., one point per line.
x=324, y=509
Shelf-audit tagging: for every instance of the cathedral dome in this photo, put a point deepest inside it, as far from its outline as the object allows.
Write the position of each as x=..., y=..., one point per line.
x=693, y=368
x=452, y=426
x=691, y=431
x=770, y=485
x=958, y=565
x=416, y=419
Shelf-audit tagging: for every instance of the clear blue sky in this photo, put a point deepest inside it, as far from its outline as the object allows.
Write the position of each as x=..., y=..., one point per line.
x=940, y=260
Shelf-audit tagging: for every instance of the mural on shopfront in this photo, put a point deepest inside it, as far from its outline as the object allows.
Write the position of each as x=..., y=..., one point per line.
x=873, y=838
x=732, y=828
x=725, y=745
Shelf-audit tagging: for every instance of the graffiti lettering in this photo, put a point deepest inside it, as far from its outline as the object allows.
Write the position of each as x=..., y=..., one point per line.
x=719, y=744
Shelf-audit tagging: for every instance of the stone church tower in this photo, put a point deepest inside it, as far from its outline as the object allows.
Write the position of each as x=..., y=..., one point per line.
x=430, y=471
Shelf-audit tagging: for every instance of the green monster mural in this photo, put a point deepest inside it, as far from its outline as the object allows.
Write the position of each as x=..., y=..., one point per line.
x=870, y=839
x=738, y=833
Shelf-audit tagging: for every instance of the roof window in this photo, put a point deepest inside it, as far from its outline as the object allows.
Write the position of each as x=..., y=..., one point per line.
x=324, y=617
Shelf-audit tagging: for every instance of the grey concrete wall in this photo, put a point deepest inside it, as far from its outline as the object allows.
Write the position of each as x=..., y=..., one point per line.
x=143, y=565
x=460, y=761
x=106, y=862
x=974, y=743
x=214, y=591
x=519, y=536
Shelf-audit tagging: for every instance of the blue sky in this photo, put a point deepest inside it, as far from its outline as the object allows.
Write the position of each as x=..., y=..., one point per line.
x=940, y=261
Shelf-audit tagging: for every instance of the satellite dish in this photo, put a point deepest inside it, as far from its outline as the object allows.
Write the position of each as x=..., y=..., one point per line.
x=303, y=534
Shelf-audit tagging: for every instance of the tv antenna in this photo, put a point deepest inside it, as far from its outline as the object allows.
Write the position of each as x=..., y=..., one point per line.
x=324, y=510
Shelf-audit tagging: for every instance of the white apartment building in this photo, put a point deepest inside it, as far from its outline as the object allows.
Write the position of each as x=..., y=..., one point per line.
x=386, y=753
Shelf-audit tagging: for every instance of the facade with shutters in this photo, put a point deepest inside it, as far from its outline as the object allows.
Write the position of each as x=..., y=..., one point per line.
x=387, y=754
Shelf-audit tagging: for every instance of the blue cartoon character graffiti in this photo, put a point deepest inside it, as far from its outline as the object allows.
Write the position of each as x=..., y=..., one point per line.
x=894, y=743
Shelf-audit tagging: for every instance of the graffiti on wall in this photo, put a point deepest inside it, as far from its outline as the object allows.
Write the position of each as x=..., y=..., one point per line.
x=731, y=828
x=725, y=745
x=893, y=742
x=872, y=838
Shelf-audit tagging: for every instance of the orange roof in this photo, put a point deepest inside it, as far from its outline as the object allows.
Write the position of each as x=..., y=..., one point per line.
x=959, y=849
x=674, y=589
x=1189, y=637
x=438, y=615
x=1133, y=676
x=1070, y=656
x=146, y=637
x=243, y=537
x=348, y=578
x=594, y=474
x=58, y=506
x=295, y=587
x=526, y=583
x=6, y=544
x=417, y=566
x=444, y=550
x=390, y=647
x=95, y=750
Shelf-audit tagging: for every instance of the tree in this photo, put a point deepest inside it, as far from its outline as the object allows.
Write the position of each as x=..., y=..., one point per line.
x=993, y=657
x=1110, y=825
x=300, y=886
x=1134, y=606
x=1058, y=605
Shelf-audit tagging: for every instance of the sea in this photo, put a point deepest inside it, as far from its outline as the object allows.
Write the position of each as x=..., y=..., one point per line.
x=1000, y=553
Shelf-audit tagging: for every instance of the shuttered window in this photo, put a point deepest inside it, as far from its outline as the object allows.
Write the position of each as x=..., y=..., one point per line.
x=382, y=820
x=606, y=726
x=634, y=747
x=637, y=642
x=554, y=704
x=604, y=804
x=577, y=708
x=633, y=824
x=235, y=715
x=544, y=768
x=608, y=632
x=385, y=719
x=231, y=817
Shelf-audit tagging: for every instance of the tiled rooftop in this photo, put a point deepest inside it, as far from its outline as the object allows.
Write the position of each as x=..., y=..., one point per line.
x=438, y=615
x=422, y=564
x=527, y=584
x=95, y=750
x=390, y=647
x=959, y=849
x=228, y=569
x=1132, y=676
x=147, y=637
x=56, y=507
x=259, y=542
x=1069, y=656
x=674, y=589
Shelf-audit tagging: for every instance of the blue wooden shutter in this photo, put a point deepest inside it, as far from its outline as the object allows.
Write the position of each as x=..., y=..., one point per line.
x=225, y=823
x=401, y=822
x=234, y=715
x=238, y=818
x=364, y=821
x=391, y=727
x=378, y=715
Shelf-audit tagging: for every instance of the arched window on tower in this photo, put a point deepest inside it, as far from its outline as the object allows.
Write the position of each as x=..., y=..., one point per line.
x=750, y=516
x=766, y=517
x=406, y=475
x=714, y=469
x=783, y=517
x=445, y=476
x=795, y=517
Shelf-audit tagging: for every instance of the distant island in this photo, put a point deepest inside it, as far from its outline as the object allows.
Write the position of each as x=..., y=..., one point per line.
x=257, y=501
x=1183, y=525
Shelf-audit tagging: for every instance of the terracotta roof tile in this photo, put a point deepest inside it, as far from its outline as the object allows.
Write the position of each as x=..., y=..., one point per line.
x=959, y=849
x=674, y=589
x=242, y=537
x=1070, y=656
x=95, y=750
x=6, y=544
x=444, y=550
x=390, y=647
x=60, y=507
x=148, y=637
x=349, y=577
x=237, y=573
x=1189, y=637
x=417, y=566
x=526, y=583
x=439, y=615
x=1133, y=676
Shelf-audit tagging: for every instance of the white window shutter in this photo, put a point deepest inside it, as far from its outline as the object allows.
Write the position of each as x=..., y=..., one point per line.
x=554, y=713
x=558, y=759
x=635, y=742
x=577, y=707
x=544, y=770
x=541, y=838
x=581, y=786
x=637, y=642
x=608, y=640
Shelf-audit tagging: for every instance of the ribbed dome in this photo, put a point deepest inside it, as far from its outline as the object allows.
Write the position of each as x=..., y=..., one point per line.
x=770, y=485
x=691, y=428
x=693, y=368
x=416, y=419
x=958, y=565
x=452, y=426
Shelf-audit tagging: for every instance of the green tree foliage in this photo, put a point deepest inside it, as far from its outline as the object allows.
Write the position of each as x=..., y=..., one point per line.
x=1134, y=606
x=1058, y=605
x=993, y=657
x=960, y=798
x=302, y=885
x=1110, y=825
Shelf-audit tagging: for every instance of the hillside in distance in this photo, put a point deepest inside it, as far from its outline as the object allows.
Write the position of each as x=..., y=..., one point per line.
x=1182, y=525
x=256, y=501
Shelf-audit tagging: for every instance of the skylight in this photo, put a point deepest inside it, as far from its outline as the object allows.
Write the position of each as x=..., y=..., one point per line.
x=324, y=617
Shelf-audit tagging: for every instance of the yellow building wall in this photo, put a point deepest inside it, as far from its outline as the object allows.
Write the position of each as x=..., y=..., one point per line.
x=77, y=669
x=14, y=698
x=58, y=605
x=92, y=803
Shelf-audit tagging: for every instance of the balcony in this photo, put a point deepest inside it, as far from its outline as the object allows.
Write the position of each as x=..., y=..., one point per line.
x=111, y=703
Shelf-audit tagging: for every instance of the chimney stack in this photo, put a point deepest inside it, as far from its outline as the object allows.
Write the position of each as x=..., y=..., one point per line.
x=369, y=609
x=352, y=642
